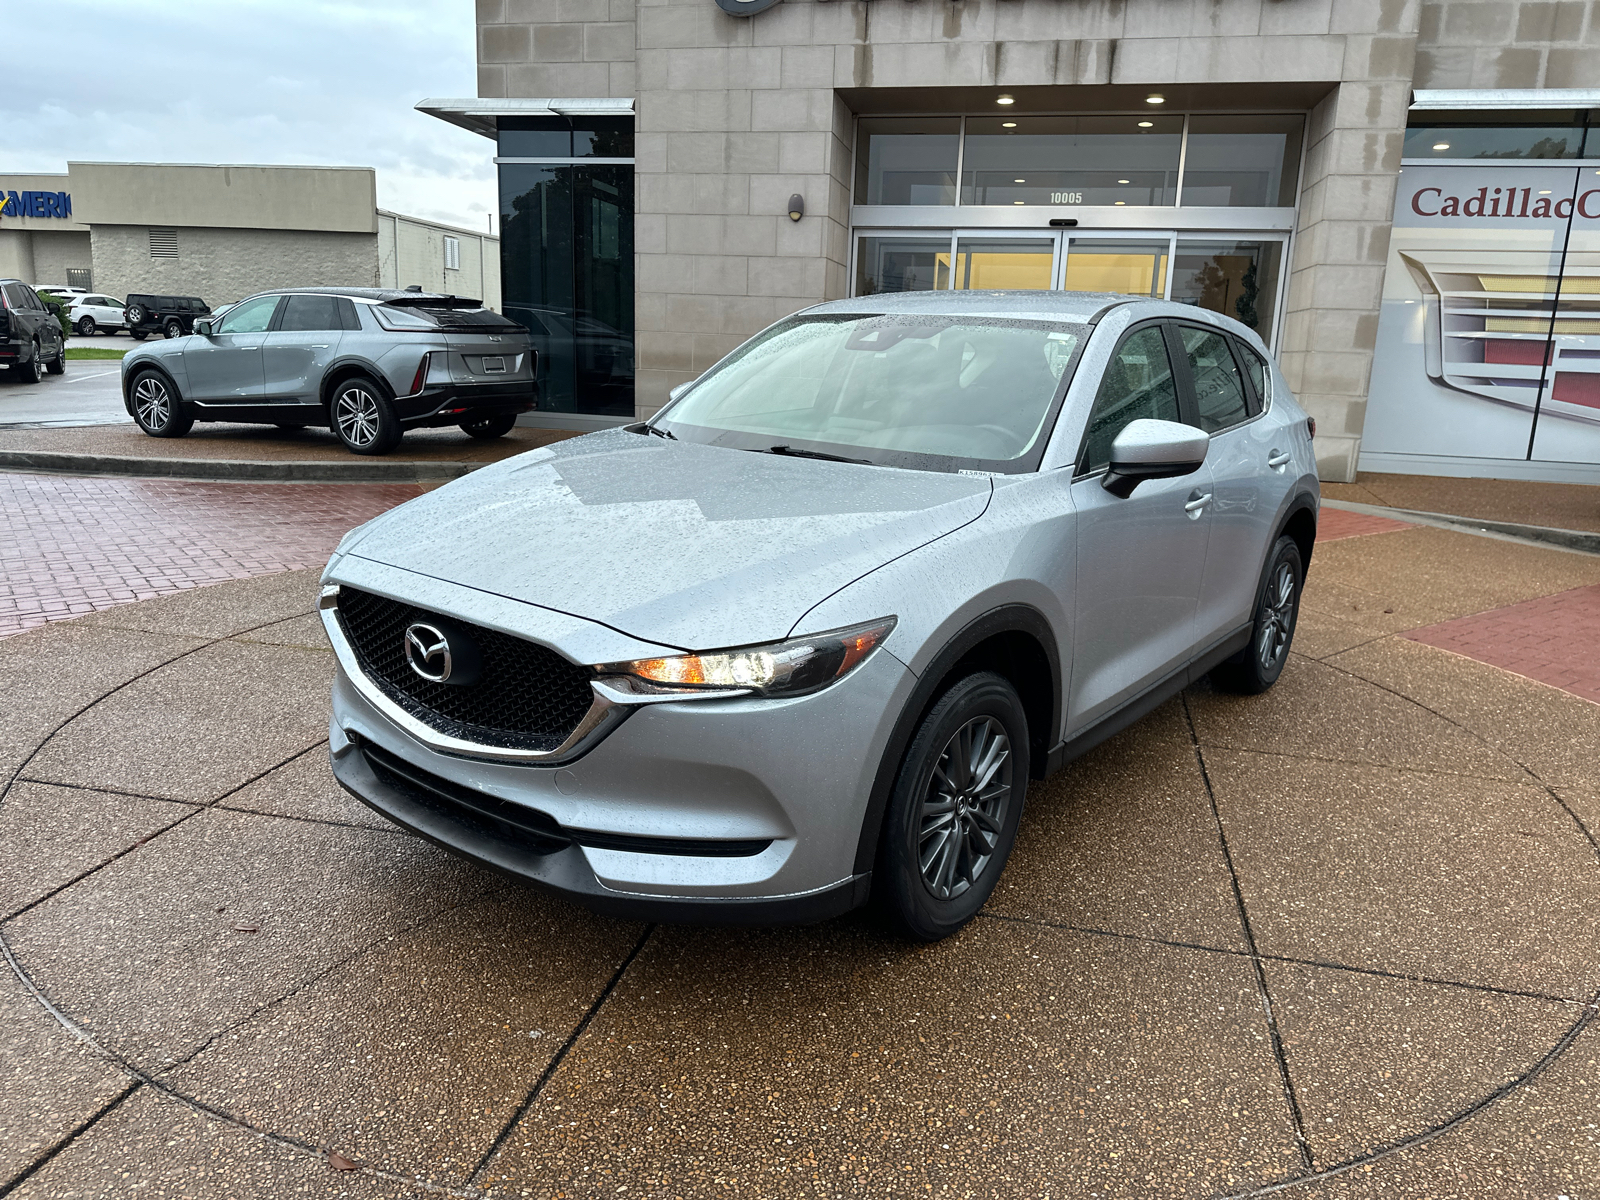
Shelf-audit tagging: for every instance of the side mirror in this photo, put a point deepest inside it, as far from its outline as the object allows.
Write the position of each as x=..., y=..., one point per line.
x=1147, y=449
x=203, y=328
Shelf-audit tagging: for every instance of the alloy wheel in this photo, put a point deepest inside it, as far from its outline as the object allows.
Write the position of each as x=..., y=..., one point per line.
x=356, y=414
x=964, y=807
x=1277, y=617
x=152, y=402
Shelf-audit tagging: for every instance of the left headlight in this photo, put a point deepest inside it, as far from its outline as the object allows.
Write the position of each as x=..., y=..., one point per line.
x=789, y=668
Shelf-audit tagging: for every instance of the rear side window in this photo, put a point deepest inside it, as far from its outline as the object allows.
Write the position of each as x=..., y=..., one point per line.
x=348, y=316
x=1218, y=383
x=1138, y=384
x=1255, y=366
x=303, y=314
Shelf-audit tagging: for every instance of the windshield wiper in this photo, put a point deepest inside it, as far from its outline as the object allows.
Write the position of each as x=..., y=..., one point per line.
x=796, y=452
x=666, y=433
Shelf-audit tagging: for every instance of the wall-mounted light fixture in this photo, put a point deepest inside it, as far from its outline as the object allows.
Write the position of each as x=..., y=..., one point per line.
x=797, y=206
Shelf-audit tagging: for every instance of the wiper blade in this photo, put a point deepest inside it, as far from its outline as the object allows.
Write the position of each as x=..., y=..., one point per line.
x=662, y=433
x=796, y=452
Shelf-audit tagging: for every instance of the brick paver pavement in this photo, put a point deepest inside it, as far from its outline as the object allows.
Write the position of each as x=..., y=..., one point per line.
x=1554, y=639
x=1336, y=523
x=70, y=546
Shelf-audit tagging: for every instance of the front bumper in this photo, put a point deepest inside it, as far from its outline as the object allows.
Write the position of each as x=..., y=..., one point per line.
x=737, y=810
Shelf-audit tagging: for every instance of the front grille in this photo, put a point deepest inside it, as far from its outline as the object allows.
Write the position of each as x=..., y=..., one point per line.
x=528, y=697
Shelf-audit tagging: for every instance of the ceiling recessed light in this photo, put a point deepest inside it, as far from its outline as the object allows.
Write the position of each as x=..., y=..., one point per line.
x=1008, y=124
x=1019, y=202
x=1123, y=181
x=1146, y=124
x=1005, y=100
x=1441, y=145
x=1120, y=202
x=1155, y=98
x=1019, y=181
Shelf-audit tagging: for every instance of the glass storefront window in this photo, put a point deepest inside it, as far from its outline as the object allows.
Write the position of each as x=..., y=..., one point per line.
x=1493, y=141
x=1242, y=161
x=907, y=160
x=1024, y=264
x=1131, y=268
x=567, y=274
x=1236, y=279
x=902, y=264
x=1021, y=160
x=560, y=137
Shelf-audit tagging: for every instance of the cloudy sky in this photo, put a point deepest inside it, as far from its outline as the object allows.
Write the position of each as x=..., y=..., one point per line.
x=317, y=82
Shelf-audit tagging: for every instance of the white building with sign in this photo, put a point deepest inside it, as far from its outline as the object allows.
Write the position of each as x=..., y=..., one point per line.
x=223, y=232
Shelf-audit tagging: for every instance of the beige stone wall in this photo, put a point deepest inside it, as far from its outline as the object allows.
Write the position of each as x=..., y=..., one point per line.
x=53, y=253
x=556, y=47
x=339, y=199
x=412, y=252
x=1508, y=44
x=222, y=265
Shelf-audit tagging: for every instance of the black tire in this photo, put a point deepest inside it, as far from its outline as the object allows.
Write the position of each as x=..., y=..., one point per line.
x=173, y=328
x=157, y=407
x=362, y=417
x=138, y=335
x=86, y=327
x=1257, y=667
x=490, y=426
x=28, y=371
x=58, y=364
x=928, y=887
x=136, y=314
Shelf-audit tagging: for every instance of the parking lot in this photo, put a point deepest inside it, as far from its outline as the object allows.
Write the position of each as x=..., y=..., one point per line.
x=1339, y=939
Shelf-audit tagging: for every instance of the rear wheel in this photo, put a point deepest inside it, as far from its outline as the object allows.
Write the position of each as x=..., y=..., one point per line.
x=86, y=327
x=363, y=418
x=491, y=426
x=955, y=808
x=1257, y=667
x=172, y=328
x=28, y=371
x=156, y=408
x=138, y=335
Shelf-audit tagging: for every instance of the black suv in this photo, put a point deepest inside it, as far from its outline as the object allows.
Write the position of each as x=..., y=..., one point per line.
x=30, y=335
x=173, y=316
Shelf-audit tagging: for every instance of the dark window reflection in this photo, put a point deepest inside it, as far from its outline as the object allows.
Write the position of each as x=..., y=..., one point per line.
x=907, y=160
x=1236, y=279
x=1242, y=161
x=567, y=274
x=563, y=137
x=1131, y=160
x=1493, y=141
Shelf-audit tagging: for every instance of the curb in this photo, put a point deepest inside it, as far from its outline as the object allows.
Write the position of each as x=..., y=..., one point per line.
x=233, y=470
x=1578, y=541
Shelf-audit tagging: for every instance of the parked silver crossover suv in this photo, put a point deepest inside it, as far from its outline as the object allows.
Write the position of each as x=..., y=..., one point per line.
x=368, y=363
x=802, y=639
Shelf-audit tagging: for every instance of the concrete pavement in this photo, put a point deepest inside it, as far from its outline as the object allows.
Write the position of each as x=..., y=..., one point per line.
x=1342, y=939
x=90, y=393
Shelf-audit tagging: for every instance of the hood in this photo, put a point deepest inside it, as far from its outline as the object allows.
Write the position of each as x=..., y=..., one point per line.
x=685, y=545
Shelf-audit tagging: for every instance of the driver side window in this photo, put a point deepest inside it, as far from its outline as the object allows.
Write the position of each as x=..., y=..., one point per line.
x=1137, y=384
x=253, y=316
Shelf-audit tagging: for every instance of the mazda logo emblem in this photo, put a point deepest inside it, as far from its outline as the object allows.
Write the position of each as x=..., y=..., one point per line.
x=428, y=651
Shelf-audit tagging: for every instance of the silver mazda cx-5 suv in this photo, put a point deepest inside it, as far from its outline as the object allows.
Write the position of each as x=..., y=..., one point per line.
x=367, y=363
x=801, y=640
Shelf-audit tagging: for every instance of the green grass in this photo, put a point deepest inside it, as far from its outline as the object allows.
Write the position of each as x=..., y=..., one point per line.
x=93, y=352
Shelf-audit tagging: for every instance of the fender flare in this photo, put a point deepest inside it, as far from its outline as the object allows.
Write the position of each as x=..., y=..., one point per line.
x=1007, y=618
x=1303, y=501
x=344, y=365
x=155, y=366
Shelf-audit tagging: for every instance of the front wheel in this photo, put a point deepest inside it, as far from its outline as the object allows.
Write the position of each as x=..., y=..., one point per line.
x=364, y=420
x=1257, y=667
x=156, y=409
x=86, y=326
x=954, y=811
x=490, y=426
x=58, y=364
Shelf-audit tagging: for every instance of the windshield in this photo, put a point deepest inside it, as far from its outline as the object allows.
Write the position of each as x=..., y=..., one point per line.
x=932, y=392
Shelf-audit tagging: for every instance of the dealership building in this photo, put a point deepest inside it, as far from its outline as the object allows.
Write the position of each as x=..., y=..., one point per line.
x=1395, y=195
x=223, y=232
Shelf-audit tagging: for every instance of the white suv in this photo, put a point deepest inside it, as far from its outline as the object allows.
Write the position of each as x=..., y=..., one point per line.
x=93, y=313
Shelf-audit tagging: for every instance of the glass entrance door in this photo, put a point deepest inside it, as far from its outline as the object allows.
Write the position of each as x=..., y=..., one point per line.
x=1136, y=265
x=985, y=261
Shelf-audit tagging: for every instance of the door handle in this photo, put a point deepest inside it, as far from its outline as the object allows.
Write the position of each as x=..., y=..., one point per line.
x=1196, y=504
x=1278, y=459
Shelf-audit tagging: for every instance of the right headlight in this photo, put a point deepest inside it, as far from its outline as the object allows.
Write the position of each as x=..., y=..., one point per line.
x=788, y=668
